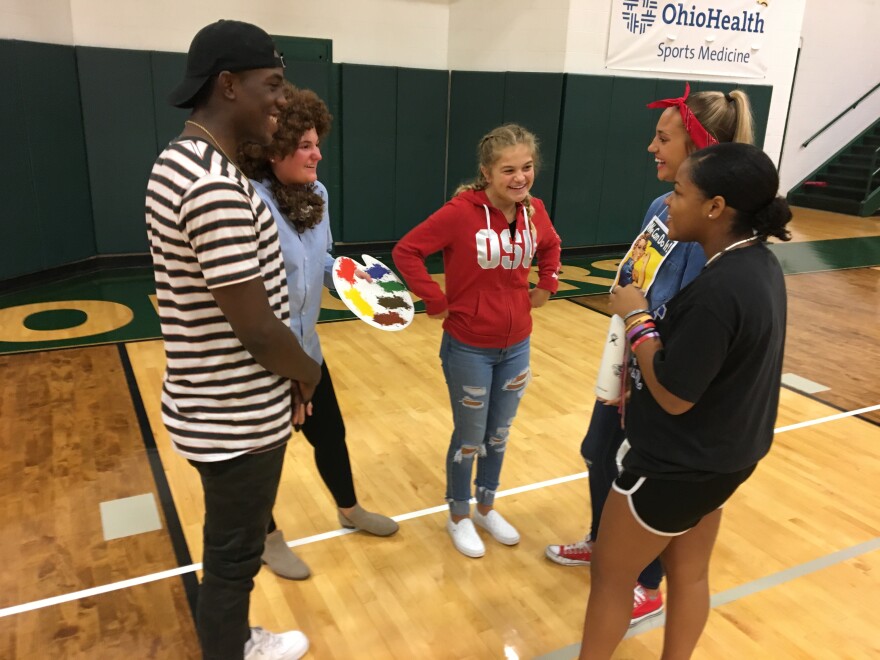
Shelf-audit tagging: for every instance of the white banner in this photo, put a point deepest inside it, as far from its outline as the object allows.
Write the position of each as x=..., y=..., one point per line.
x=719, y=37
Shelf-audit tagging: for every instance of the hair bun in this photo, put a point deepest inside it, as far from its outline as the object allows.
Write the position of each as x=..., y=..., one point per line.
x=771, y=220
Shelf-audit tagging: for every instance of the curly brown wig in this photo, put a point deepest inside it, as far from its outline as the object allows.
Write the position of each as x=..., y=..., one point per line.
x=300, y=203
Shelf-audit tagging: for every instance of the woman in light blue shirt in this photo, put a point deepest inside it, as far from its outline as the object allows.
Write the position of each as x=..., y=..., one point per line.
x=285, y=176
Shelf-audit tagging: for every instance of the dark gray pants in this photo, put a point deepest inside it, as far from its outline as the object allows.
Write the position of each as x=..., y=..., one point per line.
x=239, y=496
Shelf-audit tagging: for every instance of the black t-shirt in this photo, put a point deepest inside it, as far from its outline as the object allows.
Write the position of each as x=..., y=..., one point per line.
x=723, y=337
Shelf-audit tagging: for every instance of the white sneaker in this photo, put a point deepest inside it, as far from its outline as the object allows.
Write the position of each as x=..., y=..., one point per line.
x=465, y=538
x=264, y=645
x=501, y=530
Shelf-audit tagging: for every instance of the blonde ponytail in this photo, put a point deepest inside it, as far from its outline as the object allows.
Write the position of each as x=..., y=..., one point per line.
x=727, y=117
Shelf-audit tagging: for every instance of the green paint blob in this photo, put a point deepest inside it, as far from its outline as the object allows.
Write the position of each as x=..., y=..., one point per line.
x=392, y=286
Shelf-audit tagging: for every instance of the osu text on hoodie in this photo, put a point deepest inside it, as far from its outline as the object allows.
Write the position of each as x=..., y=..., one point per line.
x=487, y=268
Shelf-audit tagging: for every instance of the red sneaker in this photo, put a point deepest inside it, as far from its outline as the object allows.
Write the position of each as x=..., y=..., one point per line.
x=644, y=607
x=573, y=554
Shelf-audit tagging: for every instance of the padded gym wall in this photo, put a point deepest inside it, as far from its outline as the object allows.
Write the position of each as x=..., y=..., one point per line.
x=166, y=70
x=480, y=101
x=82, y=126
x=120, y=129
x=583, y=137
x=47, y=217
x=420, y=171
x=393, y=149
x=476, y=106
x=606, y=177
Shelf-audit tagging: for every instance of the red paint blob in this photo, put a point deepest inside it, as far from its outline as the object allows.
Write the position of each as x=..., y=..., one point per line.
x=346, y=269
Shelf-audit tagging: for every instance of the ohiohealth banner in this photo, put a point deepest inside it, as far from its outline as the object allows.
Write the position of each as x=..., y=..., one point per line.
x=719, y=37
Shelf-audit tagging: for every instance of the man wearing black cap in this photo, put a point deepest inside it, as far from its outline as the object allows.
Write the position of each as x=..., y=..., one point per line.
x=236, y=378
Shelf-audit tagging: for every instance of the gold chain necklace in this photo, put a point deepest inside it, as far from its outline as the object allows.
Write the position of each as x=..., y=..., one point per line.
x=215, y=141
x=728, y=249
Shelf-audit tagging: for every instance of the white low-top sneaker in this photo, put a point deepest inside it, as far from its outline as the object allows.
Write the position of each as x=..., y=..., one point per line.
x=501, y=530
x=264, y=645
x=465, y=538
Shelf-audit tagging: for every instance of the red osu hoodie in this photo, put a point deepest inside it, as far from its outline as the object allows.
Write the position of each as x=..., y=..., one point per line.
x=487, y=269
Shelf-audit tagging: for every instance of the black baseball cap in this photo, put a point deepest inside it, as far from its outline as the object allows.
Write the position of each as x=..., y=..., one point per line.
x=224, y=46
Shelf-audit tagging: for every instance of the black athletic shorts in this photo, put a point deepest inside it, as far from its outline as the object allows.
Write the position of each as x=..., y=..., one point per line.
x=671, y=507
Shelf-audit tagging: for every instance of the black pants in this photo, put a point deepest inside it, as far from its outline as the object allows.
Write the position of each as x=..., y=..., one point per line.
x=239, y=496
x=599, y=449
x=325, y=431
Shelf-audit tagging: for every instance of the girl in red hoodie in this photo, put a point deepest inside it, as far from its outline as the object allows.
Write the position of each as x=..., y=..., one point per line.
x=489, y=233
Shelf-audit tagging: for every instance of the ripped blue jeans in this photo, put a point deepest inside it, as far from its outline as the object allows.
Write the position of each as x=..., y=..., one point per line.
x=485, y=388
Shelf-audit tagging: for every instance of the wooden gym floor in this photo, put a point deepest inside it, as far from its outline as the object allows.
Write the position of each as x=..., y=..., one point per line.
x=794, y=572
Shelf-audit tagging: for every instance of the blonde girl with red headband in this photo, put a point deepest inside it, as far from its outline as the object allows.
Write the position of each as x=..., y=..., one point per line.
x=688, y=123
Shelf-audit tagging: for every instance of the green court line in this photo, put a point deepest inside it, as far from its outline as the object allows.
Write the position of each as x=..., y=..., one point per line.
x=132, y=288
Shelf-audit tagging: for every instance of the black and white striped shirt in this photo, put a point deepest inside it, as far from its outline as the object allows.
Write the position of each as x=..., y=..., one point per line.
x=208, y=228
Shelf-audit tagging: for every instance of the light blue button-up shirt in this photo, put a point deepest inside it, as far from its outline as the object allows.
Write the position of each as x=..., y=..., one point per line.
x=309, y=267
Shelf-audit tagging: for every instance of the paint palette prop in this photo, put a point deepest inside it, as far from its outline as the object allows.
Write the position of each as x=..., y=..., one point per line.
x=383, y=303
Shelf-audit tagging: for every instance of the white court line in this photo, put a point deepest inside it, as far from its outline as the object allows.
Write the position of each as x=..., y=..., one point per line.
x=191, y=568
x=830, y=418
x=741, y=591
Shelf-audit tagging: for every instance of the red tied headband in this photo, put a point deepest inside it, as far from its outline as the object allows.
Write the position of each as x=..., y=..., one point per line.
x=701, y=137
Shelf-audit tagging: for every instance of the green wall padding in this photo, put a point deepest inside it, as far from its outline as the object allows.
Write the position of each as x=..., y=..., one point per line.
x=402, y=140
x=480, y=101
x=583, y=137
x=369, y=114
x=63, y=200
x=303, y=49
x=120, y=130
x=166, y=71
x=422, y=98
x=21, y=241
x=476, y=106
x=631, y=125
x=44, y=180
x=606, y=177
x=534, y=100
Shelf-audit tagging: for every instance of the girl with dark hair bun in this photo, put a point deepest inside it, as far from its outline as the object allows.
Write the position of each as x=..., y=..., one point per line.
x=688, y=123
x=704, y=387
x=722, y=171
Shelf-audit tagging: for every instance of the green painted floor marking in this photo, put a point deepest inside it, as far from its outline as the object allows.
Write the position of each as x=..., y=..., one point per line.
x=132, y=288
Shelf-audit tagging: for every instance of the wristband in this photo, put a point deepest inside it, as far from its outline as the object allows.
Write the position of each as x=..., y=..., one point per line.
x=636, y=320
x=636, y=329
x=642, y=333
x=642, y=340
